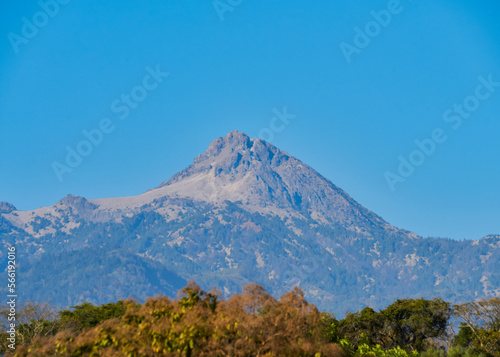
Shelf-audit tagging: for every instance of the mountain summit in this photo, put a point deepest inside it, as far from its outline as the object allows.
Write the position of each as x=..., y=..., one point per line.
x=269, y=181
x=244, y=211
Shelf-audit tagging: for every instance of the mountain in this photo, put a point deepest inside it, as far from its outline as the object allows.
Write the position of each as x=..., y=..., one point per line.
x=244, y=211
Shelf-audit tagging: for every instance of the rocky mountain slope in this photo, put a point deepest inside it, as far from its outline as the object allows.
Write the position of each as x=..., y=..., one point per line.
x=243, y=211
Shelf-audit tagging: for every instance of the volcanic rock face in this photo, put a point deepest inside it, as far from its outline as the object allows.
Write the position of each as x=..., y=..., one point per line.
x=243, y=211
x=267, y=180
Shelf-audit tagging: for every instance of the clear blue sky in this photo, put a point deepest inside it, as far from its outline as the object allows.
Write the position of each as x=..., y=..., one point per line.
x=352, y=120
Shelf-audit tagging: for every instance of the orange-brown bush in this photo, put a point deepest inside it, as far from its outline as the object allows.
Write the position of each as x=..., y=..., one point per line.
x=199, y=324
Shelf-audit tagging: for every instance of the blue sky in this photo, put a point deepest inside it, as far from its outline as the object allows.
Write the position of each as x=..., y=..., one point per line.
x=230, y=70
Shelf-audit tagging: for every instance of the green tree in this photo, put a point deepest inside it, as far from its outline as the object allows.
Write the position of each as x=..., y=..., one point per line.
x=413, y=323
x=87, y=315
x=409, y=324
x=363, y=327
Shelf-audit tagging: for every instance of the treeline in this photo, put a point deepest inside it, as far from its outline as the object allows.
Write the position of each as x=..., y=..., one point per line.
x=254, y=323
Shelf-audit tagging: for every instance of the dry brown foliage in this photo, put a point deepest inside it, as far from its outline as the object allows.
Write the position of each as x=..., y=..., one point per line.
x=200, y=324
